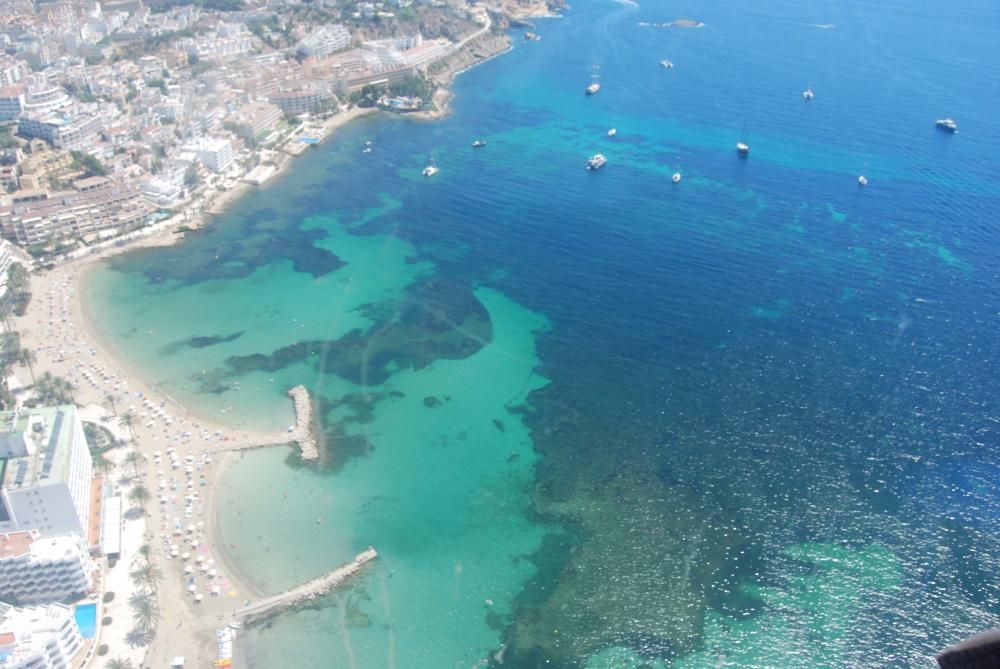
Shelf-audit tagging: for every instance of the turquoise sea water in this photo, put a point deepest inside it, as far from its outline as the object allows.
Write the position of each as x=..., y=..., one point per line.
x=599, y=420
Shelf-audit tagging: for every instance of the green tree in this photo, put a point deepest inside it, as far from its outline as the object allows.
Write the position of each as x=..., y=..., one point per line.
x=28, y=358
x=109, y=399
x=191, y=178
x=119, y=663
x=135, y=459
x=147, y=576
x=145, y=612
x=52, y=390
x=102, y=463
x=91, y=166
x=146, y=553
x=139, y=495
x=128, y=421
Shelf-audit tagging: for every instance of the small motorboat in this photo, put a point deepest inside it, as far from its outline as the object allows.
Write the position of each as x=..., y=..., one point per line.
x=947, y=124
x=612, y=132
x=676, y=178
x=862, y=181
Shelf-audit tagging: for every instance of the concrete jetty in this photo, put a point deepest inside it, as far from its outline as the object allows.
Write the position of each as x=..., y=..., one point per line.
x=308, y=590
x=302, y=434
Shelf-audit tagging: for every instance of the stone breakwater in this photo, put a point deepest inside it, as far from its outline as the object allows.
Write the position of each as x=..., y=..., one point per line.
x=308, y=590
x=302, y=433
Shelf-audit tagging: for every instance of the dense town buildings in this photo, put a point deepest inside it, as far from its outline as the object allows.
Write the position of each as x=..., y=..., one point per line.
x=164, y=102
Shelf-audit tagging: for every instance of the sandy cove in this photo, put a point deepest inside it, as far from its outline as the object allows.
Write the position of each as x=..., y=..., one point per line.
x=193, y=451
x=57, y=329
x=179, y=520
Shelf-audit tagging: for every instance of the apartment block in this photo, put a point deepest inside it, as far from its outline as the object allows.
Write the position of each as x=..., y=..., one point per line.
x=45, y=471
x=38, y=637
x=39, y=570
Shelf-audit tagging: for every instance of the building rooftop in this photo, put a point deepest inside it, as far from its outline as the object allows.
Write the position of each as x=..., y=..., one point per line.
x=16, y=544
x=35, y=446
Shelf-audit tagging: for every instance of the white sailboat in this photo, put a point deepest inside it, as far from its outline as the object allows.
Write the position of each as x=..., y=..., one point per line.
x=595, y=81
x=431, y=169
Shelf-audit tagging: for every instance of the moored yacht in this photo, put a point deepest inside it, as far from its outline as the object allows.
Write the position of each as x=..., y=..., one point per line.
x=666, y=64
x=596, y=161
x=431, y=169
x=807, y=94
x=479, y=143
x=862, y=181
x=612, y=132
x=743, y=149
x=947, y=124
x=595, y=81
x=676, y=178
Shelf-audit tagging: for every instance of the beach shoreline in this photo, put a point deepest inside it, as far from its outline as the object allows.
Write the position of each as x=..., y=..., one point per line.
x=74, y=348
x=68, y=345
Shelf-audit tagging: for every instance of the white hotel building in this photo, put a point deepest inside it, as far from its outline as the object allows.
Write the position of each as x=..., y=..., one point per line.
x=38, y=637
x=45, y=471
x=38, y=570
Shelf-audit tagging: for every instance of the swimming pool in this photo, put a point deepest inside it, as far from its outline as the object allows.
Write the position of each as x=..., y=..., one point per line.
x=86, y=619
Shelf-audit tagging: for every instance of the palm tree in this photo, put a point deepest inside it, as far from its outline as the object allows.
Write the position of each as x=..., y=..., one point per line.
x=50, y=389
x=10, y=345
x=147, y=576
x=139, y=495
x=5, y=312
x=27, y=358
x=135, y=459
x=119, y=663
x=5, y=371
x=102, y=463
x=146, y=552
x=66, y=390
x=109, y=399
x=145, y=612
x=128, y=420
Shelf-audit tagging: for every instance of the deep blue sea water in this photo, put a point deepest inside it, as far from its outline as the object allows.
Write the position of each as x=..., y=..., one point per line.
x=762, y=403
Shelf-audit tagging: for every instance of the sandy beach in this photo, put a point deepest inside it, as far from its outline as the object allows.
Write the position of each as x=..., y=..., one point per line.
x=185, y=458
x=186, y=453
